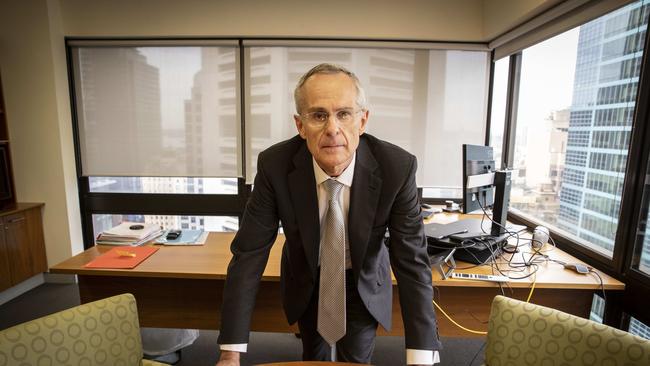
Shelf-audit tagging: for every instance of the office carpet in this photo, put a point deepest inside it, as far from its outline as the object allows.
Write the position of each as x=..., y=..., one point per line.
x=263, y=347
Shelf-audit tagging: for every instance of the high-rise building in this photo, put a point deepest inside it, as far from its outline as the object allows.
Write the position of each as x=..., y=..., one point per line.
x=640, y=329
x=609, y=56
x=536, y=186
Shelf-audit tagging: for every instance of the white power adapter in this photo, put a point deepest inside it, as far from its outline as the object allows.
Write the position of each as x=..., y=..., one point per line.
x=540, y=237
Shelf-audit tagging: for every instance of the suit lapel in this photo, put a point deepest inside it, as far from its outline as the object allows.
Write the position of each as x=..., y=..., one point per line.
x=364, y=198
x=302, y=187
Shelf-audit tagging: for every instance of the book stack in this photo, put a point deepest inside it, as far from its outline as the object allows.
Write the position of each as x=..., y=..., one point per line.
x=129, y=233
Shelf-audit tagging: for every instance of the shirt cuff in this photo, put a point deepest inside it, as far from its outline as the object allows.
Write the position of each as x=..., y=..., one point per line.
x=422, y=357
x=240, y=347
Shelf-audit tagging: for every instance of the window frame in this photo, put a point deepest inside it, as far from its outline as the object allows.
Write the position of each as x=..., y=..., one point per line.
x=209, y=204
x=149, y=203
x=619, y=306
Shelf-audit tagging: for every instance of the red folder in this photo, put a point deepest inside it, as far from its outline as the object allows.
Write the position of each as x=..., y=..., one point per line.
x=122, y=257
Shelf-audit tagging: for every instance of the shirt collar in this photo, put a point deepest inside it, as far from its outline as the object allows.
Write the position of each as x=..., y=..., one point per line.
x=345, y=178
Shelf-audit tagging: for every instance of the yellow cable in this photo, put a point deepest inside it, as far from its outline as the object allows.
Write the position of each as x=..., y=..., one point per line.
x=458, y=325
x=532, y=288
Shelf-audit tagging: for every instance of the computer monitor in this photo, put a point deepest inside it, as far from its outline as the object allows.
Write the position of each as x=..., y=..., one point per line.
x=478, y=177
x=478, y=240
x=484, y=187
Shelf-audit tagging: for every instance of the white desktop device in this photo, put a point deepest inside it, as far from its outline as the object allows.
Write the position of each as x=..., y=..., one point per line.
x=480, y=277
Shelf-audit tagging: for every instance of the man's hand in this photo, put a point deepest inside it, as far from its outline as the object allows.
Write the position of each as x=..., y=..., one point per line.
x=228, y=358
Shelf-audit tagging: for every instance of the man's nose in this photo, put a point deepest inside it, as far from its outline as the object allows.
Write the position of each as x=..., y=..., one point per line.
x=332, y=125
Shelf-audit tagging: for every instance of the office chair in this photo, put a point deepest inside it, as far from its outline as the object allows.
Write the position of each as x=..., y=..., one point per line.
x=103, y=332
x=521, y=333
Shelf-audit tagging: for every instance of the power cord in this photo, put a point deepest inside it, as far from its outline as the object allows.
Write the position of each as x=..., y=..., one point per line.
x=455, y=323
x=530, y=294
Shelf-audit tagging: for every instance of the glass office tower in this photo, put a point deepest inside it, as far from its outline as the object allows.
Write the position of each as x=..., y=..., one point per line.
x=610, y=51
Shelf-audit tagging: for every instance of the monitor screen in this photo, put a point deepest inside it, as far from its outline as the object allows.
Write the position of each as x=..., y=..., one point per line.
x=477, y=160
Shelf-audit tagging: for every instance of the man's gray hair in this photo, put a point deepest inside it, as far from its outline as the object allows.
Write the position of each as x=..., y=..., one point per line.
x=326, y=68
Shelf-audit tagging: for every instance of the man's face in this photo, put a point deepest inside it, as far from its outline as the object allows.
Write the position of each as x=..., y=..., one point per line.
x=333, y=142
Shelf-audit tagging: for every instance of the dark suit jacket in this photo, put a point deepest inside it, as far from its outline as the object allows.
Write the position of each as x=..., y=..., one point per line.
x=383, y=195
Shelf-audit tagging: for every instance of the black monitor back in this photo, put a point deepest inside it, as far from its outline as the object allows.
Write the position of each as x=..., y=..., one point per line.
x=477, y=159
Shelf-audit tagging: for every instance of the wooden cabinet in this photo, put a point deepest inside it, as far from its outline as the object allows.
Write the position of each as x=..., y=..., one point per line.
x=5, y=273
x=22, y=247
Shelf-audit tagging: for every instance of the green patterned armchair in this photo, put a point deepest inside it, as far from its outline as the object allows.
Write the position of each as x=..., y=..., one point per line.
x=521, y=333
x=104, y=332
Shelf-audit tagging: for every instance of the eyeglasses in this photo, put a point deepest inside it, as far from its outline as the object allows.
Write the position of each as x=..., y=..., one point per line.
x=320, y=118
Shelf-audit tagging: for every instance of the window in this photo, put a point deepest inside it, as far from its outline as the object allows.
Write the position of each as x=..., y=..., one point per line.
x=153, y=111
x=576, y=104
x=159, y=118
x=191, y=185
x=498, y=111
x=163, y=118
x=641, y=258
x=103, y=222
x=429, y=102
x=597, y=309
x=639, y=329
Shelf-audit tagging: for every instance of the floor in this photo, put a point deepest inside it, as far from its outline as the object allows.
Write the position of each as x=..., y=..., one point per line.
x=263, y=347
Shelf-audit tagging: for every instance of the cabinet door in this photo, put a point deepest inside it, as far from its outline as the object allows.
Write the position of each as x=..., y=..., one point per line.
x=5, y=274
x=24, y=241
x=20, y=263
x=35, y=242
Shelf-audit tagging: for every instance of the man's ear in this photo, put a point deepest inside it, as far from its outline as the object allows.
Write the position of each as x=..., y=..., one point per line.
x=364, y=121
x=299, y=126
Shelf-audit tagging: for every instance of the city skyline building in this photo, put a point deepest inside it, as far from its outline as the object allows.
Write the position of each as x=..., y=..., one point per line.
x=536, y=186
x=608, y=62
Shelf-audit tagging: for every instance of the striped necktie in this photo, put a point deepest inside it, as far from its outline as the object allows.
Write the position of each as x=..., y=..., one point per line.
x=331, y=296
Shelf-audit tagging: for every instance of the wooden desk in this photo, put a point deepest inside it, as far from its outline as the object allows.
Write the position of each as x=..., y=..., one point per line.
x=181, y=287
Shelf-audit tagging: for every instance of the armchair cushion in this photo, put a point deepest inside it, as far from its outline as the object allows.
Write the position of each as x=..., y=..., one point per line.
x=104, y=332
x=521, y=333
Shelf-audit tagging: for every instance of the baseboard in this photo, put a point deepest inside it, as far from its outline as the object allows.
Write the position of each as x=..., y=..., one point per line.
x=66, y=279
x=19, y=289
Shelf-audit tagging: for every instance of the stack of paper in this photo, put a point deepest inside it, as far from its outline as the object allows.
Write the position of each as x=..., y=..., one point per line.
x=129, y=233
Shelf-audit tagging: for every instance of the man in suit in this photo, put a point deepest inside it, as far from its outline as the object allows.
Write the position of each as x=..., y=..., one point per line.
x=377, y=192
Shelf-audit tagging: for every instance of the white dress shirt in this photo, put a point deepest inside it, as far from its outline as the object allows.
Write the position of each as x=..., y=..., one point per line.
x=413, y=356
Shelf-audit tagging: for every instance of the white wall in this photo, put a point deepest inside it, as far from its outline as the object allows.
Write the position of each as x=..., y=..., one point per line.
x=34, y=75
x=500, y=16
x=32, y=63
x=458, y=20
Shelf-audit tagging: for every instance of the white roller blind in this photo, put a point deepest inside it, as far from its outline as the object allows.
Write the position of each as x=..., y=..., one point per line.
x=158, y=110
x=567, y=15
x=429, y=102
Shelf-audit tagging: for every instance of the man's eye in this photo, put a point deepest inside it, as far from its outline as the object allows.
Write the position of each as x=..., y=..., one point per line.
x=320, y=116
x=344, y=115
